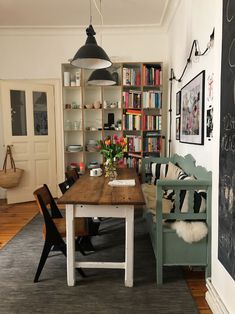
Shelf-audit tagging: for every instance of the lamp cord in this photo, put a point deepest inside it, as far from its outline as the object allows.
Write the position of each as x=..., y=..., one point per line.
x=197, y=53
x=99, y=10
x=90, y=14
x=101, y=19
x=172, y=78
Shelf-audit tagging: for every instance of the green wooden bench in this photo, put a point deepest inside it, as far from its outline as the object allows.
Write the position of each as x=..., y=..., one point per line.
x=169, y=248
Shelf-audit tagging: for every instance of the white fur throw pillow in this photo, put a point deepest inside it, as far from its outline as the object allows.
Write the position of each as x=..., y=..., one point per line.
x=190, y=231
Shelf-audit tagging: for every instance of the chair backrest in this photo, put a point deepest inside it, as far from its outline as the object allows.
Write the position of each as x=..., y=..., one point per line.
x=65, y=185
x=45, y=204
x=72, y=173
x=43, y=195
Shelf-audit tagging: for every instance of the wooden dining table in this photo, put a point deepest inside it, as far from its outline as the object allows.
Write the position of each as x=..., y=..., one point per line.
x=94, y=197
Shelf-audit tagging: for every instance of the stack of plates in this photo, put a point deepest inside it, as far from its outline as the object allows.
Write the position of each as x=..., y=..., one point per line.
x=92, y=146
x=93, y=165
x=74, y=148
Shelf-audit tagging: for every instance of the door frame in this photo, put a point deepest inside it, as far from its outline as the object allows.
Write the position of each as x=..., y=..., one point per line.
x=59, y=135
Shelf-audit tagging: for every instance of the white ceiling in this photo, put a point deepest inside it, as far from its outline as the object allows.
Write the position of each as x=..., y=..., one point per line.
x=52, y=13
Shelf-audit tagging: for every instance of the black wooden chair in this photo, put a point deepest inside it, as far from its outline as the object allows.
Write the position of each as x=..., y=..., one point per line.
x=65, y=185
x=72, y=173
x=84, y=243
x=54, y=228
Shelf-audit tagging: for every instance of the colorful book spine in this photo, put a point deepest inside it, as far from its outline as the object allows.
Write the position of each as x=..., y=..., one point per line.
x=152, y=75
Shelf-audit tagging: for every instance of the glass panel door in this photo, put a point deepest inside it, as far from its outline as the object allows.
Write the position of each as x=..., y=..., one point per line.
x=18, y=113
x=40, y=113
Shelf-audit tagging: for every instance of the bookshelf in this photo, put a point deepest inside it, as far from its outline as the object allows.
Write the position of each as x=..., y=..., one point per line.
x=132, y=108
x=142, y=111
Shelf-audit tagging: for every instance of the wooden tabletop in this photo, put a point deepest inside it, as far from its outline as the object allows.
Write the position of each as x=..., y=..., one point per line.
x=96, y=191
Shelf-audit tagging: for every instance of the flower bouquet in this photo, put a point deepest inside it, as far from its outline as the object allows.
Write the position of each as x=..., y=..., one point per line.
x=112, y=150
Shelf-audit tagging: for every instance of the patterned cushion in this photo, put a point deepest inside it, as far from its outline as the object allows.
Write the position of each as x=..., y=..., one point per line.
x=199, y=197
x=158, y=171
x=173, y=172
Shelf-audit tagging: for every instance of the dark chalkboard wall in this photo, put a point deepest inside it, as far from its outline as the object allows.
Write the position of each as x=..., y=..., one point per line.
x=226, y=241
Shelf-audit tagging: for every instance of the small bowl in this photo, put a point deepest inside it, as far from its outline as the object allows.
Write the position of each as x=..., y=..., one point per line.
x=97, y=105
x=89, y=106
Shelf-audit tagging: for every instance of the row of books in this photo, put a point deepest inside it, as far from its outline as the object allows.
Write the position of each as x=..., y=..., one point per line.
x=152, y=75
x=152, y=144
x=131, y=76
x=152, y=123
x=132, y=120
x=133, y=162
x=152, y=99
x=132, y=99
x=134, y=143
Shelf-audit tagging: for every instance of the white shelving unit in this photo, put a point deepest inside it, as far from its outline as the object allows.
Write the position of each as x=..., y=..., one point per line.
x=85, y=124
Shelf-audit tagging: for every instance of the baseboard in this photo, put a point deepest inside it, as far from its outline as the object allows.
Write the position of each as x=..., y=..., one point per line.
x=213, y=299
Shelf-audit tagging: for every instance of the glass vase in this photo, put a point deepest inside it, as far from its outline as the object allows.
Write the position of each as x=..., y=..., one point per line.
x=110, y=169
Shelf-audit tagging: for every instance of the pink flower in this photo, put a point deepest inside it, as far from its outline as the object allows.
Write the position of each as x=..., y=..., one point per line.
x=115, y=137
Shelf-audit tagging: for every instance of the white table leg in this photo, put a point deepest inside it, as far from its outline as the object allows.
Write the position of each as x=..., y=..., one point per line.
x=70, y=239
x=129, y=247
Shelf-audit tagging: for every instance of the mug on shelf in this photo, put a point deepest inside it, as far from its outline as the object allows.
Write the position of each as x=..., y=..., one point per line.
x=97, y=172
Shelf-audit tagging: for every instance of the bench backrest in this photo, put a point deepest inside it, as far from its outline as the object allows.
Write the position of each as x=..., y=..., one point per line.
x=187, y=163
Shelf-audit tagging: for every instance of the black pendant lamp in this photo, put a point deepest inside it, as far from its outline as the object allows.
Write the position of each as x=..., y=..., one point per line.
x=101, y=77
x=91, y=56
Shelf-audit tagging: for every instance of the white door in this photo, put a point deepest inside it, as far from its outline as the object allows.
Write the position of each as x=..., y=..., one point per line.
x=29, y=126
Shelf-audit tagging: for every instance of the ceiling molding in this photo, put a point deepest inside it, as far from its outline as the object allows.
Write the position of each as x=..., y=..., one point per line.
x=77, y=30
x=169, y=13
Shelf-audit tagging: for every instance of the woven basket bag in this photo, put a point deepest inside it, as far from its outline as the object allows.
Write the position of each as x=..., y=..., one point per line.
x=10, y=178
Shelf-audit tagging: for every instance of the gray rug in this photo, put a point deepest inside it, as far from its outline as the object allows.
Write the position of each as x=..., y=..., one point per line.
x=102, y=291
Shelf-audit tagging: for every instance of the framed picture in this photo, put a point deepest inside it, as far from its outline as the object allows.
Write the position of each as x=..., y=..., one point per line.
x=192, y=111
x=177, y=106
x=177, y=128
x=209, y=123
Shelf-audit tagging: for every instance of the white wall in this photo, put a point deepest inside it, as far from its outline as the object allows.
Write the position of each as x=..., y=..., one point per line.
x=195, y=20
x=39, y=53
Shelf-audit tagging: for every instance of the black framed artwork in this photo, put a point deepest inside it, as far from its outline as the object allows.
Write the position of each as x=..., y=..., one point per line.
x=209, y=122
x=177, y=105
x=177, y=128
x=192, y=111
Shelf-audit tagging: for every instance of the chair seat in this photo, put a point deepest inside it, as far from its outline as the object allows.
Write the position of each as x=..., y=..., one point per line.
x=80, y=227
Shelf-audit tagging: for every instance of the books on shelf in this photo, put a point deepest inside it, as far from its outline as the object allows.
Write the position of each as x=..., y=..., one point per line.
x=131, y=76
x=152, y=144
x=152, y=99
x=152, y=74
x=132, y=120
x=133, y=162
x=134, y=143
x=153, y=122
x=132, y=99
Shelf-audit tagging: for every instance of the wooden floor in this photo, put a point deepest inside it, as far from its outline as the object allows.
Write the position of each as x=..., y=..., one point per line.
x=14, y=217
x=197, y=285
